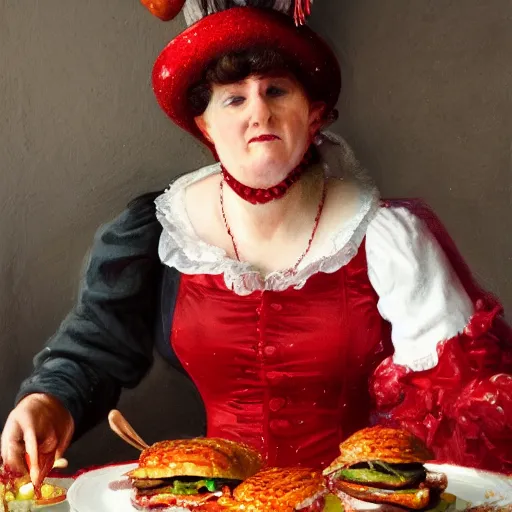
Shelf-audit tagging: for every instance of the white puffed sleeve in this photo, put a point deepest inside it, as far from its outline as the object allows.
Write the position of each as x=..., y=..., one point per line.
x=419, y=292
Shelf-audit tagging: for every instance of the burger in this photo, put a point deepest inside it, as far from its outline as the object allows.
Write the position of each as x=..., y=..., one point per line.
x=279, y=490
x=384, y=466
x=190, y=474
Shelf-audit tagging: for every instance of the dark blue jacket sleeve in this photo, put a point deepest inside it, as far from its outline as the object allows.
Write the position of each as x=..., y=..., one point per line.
x=106, y=342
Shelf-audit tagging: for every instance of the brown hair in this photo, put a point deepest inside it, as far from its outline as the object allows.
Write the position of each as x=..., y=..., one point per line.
x=236, y=66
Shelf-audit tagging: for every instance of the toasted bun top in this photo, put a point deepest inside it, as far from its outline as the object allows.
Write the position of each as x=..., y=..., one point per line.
x=276, y=489
x=203, y=457
x=394, y=446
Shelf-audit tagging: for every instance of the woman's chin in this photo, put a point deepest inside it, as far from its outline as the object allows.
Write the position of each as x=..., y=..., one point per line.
x=269, y=153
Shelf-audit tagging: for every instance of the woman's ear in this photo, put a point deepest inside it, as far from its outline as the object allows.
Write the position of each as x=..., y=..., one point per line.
x=203, y=127
x=316, y=117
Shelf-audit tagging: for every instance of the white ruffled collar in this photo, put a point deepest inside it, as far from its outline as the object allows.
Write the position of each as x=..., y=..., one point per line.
x=182, y=249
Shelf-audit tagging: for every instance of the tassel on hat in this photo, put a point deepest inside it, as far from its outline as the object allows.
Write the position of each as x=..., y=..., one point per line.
x=302, y=11
x=196, y=9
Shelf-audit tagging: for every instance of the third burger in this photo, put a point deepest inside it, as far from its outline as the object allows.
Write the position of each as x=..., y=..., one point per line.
x=384, y=466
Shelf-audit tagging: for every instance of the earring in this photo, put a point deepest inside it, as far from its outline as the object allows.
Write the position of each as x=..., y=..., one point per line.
x=318, y=139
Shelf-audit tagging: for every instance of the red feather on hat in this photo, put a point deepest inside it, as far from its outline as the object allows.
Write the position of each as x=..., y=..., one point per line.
x=164, y=9
x=168, y=9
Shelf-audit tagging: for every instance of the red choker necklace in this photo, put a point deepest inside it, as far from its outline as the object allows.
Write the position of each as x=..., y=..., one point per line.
x=265, y=195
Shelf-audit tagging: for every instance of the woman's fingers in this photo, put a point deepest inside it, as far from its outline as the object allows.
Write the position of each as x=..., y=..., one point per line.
x=64, y=441
x=13, y=446
x=60, y=463
x=44, y=441
x=14, y=458
x=48, y=443
x=32, y=449
x=41, y=428
x=47, y=447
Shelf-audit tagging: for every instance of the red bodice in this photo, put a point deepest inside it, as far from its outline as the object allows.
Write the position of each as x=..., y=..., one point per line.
x=295, y=372
x=284, y=371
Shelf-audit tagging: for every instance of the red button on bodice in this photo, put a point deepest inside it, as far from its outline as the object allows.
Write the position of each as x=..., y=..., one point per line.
x=279, y=426
x=276, y=404
x=269, y=350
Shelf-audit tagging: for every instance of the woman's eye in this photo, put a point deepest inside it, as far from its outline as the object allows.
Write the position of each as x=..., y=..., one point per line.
x=234, y=100
x=275, y=91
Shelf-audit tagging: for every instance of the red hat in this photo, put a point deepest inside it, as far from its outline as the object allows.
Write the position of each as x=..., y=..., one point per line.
x=183, y=61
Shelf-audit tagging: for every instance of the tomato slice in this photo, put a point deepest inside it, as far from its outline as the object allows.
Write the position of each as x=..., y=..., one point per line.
x=50, y=501
x=57, y=496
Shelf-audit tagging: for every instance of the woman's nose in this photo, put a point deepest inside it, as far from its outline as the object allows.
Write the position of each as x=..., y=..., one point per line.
x=260, y=111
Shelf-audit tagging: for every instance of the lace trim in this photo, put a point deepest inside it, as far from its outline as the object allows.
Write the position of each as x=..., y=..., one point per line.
x=183, y=250
x=423, y=363
x=478, y=324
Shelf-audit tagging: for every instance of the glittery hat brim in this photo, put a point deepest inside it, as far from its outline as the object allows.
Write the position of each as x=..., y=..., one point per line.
x=183, y=61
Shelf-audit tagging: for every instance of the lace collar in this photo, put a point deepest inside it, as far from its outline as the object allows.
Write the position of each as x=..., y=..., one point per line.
x=183, y=250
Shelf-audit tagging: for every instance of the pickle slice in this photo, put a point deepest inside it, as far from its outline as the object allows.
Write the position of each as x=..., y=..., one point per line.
x=397, y=480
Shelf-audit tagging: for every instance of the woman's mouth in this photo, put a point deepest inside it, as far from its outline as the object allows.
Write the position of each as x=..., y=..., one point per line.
x=268, y=137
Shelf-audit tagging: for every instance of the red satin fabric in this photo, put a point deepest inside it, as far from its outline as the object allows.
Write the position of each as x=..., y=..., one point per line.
x=463, y=406
x=286, y=371
x=293, y=373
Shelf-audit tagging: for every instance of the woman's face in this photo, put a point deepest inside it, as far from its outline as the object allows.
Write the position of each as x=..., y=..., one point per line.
x=261, y=127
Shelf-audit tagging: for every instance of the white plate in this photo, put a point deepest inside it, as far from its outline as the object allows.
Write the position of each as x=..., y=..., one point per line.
x=104, y=489
x=475, y=486
x=107, y=490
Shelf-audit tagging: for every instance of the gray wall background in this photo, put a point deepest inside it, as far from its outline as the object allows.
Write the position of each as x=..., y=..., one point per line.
x=426, y=104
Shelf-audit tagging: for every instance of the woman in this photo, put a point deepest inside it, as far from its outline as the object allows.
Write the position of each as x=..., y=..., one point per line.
x=277, y=280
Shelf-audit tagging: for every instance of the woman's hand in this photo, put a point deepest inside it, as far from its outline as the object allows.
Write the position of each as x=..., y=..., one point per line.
x=39, y=427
